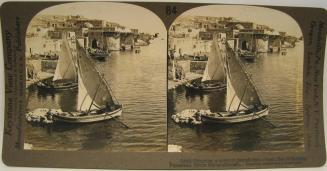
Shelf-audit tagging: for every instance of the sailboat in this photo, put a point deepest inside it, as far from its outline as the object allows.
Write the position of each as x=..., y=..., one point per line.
x=96, y=101
x=65, y=76
x=213, y=78
x=243, y=103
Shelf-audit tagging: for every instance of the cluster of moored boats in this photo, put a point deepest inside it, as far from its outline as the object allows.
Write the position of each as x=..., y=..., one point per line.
x=98, y=54
x=76, y=70
x=225, y=72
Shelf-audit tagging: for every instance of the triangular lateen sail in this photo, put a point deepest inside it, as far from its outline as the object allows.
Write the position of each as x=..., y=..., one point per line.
x=232, y=100
x=239, y=84
x=93, y=90
x=214, y=68
x=65, y=69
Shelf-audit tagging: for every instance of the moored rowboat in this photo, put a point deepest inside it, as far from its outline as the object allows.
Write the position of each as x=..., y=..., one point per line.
x=92, y=116
x=232, y=117
x=205, y=87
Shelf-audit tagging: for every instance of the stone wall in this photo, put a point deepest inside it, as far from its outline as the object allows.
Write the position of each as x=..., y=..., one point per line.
x=274, y=43
x=113, y=43
x=185, y=65
x=48, y=65
x=197, y=66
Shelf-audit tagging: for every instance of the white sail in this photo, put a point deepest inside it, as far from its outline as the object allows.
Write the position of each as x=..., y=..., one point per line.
x=214, y=68
x=84, y=99
x=241, y=92
x=206, y=76
x=65, y=69
x=93, y=90
x=232, y=99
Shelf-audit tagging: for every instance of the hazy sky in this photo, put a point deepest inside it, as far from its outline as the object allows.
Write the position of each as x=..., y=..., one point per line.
x=128, y=15
x=133, y=16
x=260, y=15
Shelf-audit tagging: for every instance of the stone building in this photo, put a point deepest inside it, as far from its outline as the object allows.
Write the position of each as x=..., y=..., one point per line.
x=96, y=38
x=54, y=34
x=106, y=39
x=254, y=40
x=244, y=24
x=274, y=42
x=127, y=41
x=203, y=35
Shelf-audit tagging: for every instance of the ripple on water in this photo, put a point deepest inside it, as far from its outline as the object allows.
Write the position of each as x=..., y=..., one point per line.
x=138, y=82
x=279, y=80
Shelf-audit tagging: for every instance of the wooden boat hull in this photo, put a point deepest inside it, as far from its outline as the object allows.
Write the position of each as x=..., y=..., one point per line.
x=88, y=118
x=215, y=118
x=54, y=87
x=100, y=57
x=249, y=56
x=218, y=87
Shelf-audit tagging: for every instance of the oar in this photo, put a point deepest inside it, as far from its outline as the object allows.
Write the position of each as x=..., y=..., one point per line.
x=126, y=126
x=268, y=122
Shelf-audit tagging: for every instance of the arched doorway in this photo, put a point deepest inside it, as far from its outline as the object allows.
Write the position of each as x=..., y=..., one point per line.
x=245, y=45
x=94, y=44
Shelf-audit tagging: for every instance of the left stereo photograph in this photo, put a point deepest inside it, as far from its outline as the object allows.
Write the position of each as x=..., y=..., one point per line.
x=89, y=62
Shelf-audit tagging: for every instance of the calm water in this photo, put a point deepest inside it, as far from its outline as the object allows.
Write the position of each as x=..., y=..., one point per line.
x=279, y=80
x=138, y=82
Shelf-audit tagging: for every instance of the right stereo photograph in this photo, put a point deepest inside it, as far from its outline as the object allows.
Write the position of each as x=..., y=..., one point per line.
x=235, y=81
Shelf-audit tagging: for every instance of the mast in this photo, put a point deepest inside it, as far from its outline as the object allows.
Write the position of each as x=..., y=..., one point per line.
x=238, y=107
x=96, y=92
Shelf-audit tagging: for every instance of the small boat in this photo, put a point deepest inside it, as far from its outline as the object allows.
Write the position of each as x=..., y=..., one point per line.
x=50, y=85
x=88, y=117
x=205, y=86
x=65, y=76
x=229, y=117
x=141, y=43
x=247, y=55
x=98, y=54
x=283, y=51
x=137, y=49
x=96, y=101
x=213, y=78
x=126, y=47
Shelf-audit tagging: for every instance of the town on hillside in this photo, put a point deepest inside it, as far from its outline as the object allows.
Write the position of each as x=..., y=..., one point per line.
x=44, y=38
x=190, y=39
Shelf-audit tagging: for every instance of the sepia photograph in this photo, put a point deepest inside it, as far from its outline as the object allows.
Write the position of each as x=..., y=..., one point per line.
x=163, y=85
x=96, y=79
x=235, y=81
